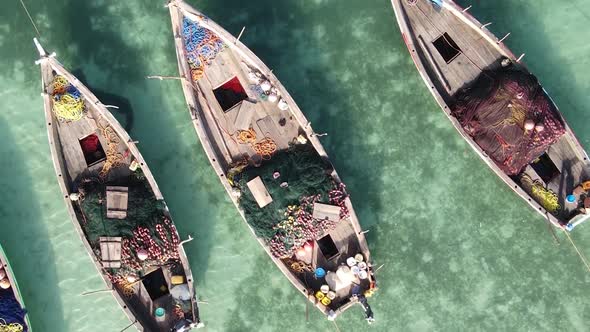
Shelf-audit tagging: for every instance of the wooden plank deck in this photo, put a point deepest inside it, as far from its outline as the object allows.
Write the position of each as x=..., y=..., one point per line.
x=281, y=126
x=480, y=50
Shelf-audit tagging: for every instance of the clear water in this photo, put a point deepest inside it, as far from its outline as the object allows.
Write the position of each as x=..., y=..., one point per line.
x=460, y=251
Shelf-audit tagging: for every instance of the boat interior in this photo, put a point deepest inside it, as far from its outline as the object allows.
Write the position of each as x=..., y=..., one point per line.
x=455, y=49
x=90, y=152
x=246, y=121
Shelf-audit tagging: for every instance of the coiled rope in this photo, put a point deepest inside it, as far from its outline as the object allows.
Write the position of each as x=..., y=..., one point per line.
x=12, y=327
x=68, y=104
x=201, y=45
x=265, y=148
x=113, y=157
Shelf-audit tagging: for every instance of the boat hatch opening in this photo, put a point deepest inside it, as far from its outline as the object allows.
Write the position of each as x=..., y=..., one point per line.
x=156, y=284
x=230, y=93
x=545, y=168
x=446, y=46
x=92, y=149
x=328, y=247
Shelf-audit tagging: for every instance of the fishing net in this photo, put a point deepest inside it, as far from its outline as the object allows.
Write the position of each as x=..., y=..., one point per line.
x=295, y=179
x=145, y=227
x=68, y=104
x=12, y=315
x=496, y=110
x=201, y=46
x=143, y=209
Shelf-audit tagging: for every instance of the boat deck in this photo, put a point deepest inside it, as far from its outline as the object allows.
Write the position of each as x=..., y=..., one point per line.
x=430, y=23
x=451, y=49
x=74, y=162
x=263, y=116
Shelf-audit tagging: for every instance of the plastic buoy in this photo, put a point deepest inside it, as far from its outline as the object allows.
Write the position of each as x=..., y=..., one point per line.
x=142, y=254
x=570, y=198
x=529, y=124
x=2, y=273
x=320, y=273
x=4, y=283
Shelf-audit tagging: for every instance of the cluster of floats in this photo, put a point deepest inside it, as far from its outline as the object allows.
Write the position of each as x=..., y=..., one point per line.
x=276, y=171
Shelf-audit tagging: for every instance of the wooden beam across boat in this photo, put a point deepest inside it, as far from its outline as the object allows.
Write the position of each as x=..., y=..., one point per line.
x=451, y=50
x=113, y=167
x=270, y=115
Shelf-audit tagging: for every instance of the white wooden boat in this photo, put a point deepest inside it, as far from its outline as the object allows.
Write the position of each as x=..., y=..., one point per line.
x=11, y=291
x=246, y=121
x=116, y=206
x=455, y=55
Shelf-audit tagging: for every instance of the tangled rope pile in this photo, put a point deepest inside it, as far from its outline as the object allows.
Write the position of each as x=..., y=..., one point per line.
x=12, y=315
x=11, y=327
x=201, y=45
x=547, y=198
x=247, y=136
x=68, y=104
x=265, y=148
x=114, y=158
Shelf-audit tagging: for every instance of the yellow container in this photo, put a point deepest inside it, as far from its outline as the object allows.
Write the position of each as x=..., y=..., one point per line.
x=177, y=280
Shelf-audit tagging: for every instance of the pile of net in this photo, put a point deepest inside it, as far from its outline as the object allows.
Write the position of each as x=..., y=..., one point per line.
x=295, y=179
x=509, y=116
x=12, y=315
x=68, y=104
x=146, y=228
x=201, y=46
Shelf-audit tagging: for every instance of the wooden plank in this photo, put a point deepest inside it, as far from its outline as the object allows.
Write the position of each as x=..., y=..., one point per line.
x=220, y=70
x=270, y=129
x=325, y=211
x=258, y=190
x=110, y=250
x=244, y=118
x=117, y=199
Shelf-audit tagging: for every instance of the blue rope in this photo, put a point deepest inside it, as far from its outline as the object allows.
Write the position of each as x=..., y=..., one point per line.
x=200, y=43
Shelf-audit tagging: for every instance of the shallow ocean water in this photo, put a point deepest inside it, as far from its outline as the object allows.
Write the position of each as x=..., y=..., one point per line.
x=460, y=250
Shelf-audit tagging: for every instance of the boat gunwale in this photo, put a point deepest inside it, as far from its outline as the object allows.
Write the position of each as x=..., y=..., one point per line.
x=14, y=285
x=59, y=168
x=304, y=124
x=501, y=46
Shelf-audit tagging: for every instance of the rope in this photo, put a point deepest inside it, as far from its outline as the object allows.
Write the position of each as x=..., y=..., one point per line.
x=201, y=45
x=114, y=158
x=247, y=136
x=265, y=148
x=582, y=257
x=68, y=104
x=30, y=18
x=12, y=327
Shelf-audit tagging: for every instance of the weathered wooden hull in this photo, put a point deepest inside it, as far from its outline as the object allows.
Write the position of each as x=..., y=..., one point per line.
x=48, y=64
x=440, y=91
x=198, y=107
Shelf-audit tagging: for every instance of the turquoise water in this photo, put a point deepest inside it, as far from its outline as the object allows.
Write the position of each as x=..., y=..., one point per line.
x=461, y=252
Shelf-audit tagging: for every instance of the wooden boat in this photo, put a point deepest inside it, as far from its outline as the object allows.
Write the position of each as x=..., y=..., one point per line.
x=9, y=293
x=253, y=132
x=116, y=205
x=498, y=107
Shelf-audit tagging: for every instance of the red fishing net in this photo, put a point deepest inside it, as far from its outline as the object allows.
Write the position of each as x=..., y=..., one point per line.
x=509, y=116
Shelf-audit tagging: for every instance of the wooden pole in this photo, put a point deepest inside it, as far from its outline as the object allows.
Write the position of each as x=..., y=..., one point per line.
x=240, y=35
x=165, y=77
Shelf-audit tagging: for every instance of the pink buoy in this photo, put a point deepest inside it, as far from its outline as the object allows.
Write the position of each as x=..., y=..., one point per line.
x=529, y=124
x=142, y=254
x=539, y=127
x=308, y=247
